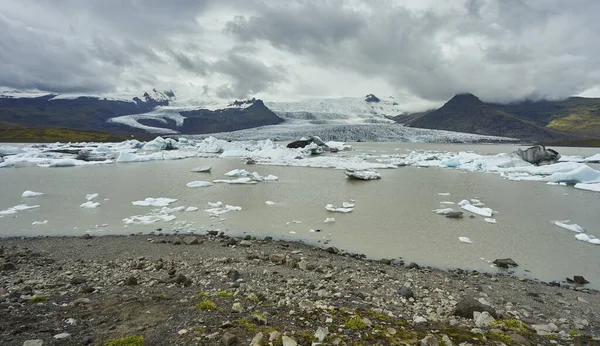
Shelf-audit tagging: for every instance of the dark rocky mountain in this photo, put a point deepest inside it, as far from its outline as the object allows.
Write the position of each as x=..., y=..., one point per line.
x=467, y=113
x=372, y=98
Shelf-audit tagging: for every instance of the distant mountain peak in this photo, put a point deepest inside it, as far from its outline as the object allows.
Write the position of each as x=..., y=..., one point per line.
x=243, y=103
x=465, y=98
x=372, y=98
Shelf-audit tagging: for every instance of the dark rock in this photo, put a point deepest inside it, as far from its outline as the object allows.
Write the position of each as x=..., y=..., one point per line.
x=467, y=306
x=333, y=250
x=191, y=240
x=406, y=292
x=78, y=280
x=277, y=258
x=231, y=242
x=229, y=339
x=554, y=283
x=505, y=263
x=87, y=340
x=455, y=215
x=411, y=265
x=213, y=232
x=518, y=339
x=85, y=289
x=233, y=275
x=8, y=266
x=385, y=261
x=539, y=155
x=372, y=98
x=298, y=144
x=176, y=241
x=131, y=281
x=172, y=271
x=578, y=279
x=86, y=236
x=248, y=237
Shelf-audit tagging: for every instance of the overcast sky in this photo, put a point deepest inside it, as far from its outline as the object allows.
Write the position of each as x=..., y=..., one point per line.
x=500, y=50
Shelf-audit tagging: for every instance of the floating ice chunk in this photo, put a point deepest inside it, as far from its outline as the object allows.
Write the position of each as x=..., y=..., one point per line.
x=29, y=194
x=189, y=209
x=329, y=220
x=444, y=211
x=292, y=232
x=588, y=187
x=348, y=205
x=91, y=196
x=489, y=220
x=452, y=162
x=566, y=225
x=331, y=208
x=447, y=202
x=202, y=169
x=466, y=205
x=199, y=183
x=258, y=177
x=160, y=143
x=269, y=202
x=62, y=163
x=167, y=210
x=444, y=193
x=291, y=222
x=339, y=146
x=90, y=205
x=588, y=238
x=218, y=204
x=17, y=208
x=464, y=240
x=366, y=174
x=148, y=219
x=581, y=174
x=35, y=223
x=593, y=159
x=154, y=202
x=244, y=180
x=226, y=209
x=463, y=202
x=238, y=173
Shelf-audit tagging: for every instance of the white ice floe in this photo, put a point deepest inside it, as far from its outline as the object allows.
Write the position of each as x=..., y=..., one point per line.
x=466, y=205
x=223, y=210
x=339, y=146
x=292, y=222
x=365, y=174
x=202, y=169
x=589, y=187
x=348, y=205
x=160, y=143
x=444, y=193
x=238, y=173
x=241, y=181
x=257, y=177
x=581, y=174
x=588, y=238
x=556, y=184
x=593, y=159
x=17, y=208
x=489, y=220
x=464, y=240
x=447, y=202
x=329, y=220
x=30, y=194
x=91, y=196
x=148, y=219
x=269, y=203
x=189, y=209
x=199, y=183
x=568, y=226
x=443, y=211
x=35, y=223
x=154, y=202
x=347, y=209
x=218, y=204
x=90, y=205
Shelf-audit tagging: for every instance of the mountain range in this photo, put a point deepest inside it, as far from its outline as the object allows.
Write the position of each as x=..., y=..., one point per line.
x=24, y=117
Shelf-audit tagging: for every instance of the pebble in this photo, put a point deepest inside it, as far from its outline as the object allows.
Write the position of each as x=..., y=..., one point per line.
x=36, y=342
x=62, y=336
x=287, y=341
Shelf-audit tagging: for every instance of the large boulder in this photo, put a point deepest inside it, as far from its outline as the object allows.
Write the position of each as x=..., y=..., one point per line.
x=467, y=306
x=538, y=155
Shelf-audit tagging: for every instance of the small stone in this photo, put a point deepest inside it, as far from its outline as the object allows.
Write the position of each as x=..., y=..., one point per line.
x=287, y=341
x=519, y=340
x=321, y=333
x=131, y=281
x=233, y=275
x=419, y=319
x=274, y=336
x=483, y=319
x=505, y=263
x=213, y=232
x=62, y=336
x=81, y=301
x=87, y=340
x=172, y=271
x=8, y=266
x=191, y=240
x=182, y=332
x=237, y=307
x=85, y=289
x=176, y=241
x=580, y=280
x=455, y=215
x=229, y=339
x=391, y=331
x=245, y=243
x=406, y=292
x=277, y=258
x=303, y=265
x=36, y=342
x=429, y=340
x=259, y=319
x=77, y=280
x=446, y=340
x=257, y=339
x=467, y=306
x=333, y=250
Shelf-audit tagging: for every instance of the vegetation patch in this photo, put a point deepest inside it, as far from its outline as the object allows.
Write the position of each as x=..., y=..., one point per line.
x=206, y=305
x=137, y=340
x=225, y=294
x=355, y=323
x=38, y=299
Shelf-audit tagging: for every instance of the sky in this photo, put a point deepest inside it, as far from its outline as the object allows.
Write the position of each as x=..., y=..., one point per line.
x=419, y=51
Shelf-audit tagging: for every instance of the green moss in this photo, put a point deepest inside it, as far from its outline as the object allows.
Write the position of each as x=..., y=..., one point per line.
x=253, y=297
x=206, y=305
x=137, y=340
x=38, y=299
x=244, y=323
x=355, y=323
x=574, y=333
x=224, y=294
x=500, y=337
x=512, y=324
x=202, y=296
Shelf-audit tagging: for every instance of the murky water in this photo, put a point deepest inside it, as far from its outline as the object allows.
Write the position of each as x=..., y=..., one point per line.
x=392, y=218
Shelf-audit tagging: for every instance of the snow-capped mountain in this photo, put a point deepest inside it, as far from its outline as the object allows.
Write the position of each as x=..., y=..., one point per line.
x=344, y=110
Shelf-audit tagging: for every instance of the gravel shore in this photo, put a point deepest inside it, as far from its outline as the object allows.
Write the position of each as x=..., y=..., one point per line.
x=217, y=290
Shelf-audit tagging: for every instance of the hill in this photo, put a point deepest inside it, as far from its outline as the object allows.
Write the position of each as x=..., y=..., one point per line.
x=50, y=135
x=467, y=113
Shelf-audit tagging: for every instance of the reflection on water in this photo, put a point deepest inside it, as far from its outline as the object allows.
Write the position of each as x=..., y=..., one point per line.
x=392, y=217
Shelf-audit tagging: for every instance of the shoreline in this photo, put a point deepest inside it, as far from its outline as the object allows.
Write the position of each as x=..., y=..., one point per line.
x=163, y=287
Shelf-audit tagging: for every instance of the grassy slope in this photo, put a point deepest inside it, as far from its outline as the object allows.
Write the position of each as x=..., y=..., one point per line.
x=50, y=135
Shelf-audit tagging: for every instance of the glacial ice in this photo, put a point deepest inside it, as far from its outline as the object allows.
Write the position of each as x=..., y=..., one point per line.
x=17, y=208
x=223, y=210
x=464, y=240
x=365, y=174
x=218, y=204
x=257, y=177
x=238, y=173
x=90, y=205
x=36, y=223
x=30, y=194
x=154, y=202
x=160, y=143
x=443, y=211
x=91, y=196
x=148, y=219
x=588, y=238
x=489, y=220
x=190, y=209
x=62, y=163
x=202, y=169
x=329, y=220
x=269, y=203
x=466, y=205
x=244, y=180
x=566, y=225
x=199, y=183
x=346, y=208
x=589, y=187
x=582, y=174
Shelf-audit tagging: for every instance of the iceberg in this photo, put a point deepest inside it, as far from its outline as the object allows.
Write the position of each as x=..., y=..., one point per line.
x=244, y=180
x=593, y=159
x=258, y=177
x=148, y=219
x=226, y=209
x=17, y=208
x=366, y=174
x=571, y=227
x=238, y=173
x=444, y=211
x=160, y=143
x=30, y=194
x=329, y=220
x=202, y=169
x=466, y=205
x=199, y=183
x=90, y=205
x=489, y=220
x=189, y=209
x=589, y=187
x=62, y=163
x=36, y=223
x=581, y=174
x=331, y=208
x=588, y=238
x=154, y=202
x=215, y=205
x=91, y=196
x=269, y=203
x=464, y=240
